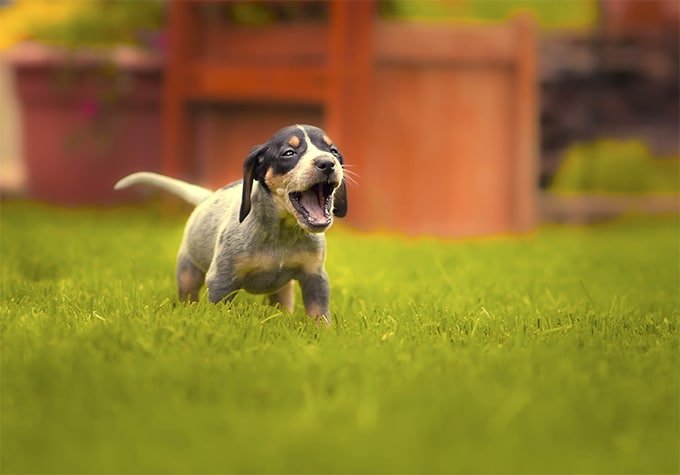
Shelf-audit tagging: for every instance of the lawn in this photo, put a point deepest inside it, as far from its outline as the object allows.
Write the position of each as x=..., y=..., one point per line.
x=550, y=352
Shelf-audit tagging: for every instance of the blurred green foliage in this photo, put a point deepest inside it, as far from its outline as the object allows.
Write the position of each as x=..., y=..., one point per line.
x=104, y=23
x=251, y=13
x=562, y=14
x=609, y=166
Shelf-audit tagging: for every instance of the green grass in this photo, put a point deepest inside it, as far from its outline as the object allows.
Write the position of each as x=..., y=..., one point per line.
x=551, y=352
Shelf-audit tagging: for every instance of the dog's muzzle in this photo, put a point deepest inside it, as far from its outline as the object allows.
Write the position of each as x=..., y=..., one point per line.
x=314, y=205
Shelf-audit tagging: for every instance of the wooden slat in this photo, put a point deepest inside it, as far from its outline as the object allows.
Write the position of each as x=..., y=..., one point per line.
x=288, y=43
x=428, y=43
x=210, y=81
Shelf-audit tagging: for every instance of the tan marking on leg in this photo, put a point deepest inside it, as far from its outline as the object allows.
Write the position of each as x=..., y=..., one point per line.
x=190, y=278
x=316, y=312
x=284, y=298
x=190, y=282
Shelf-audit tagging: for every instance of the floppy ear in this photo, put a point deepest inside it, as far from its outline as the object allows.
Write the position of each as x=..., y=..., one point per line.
x=249, y=168
x=340, y=201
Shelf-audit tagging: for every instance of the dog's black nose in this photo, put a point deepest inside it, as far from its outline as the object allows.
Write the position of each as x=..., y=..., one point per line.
x=325, y=165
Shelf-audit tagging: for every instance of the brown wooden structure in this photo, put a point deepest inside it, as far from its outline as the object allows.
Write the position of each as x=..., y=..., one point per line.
x=439, y=123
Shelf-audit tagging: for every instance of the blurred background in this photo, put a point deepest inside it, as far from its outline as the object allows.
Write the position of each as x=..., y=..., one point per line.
x=458, y=117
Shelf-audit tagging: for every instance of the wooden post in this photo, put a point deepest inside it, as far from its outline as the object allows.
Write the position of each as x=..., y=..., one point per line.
x=176, y=127
x=526, y=150
x=351, y=53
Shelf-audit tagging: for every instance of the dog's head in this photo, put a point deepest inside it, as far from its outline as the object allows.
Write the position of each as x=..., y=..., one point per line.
x=302, y=170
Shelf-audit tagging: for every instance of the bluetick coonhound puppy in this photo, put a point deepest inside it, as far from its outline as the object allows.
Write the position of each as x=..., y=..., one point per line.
x=263, y=232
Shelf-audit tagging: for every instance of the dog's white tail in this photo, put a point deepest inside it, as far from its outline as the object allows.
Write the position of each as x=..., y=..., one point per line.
x=192, y=193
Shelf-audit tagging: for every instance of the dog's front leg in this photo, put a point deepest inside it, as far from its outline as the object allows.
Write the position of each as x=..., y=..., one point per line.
x=221, y=286
x=316, y=295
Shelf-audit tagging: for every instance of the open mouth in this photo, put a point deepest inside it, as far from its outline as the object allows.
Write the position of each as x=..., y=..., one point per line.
x=314, y=204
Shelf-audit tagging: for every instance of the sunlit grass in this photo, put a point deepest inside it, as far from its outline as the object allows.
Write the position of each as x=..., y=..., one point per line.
x=555, y=351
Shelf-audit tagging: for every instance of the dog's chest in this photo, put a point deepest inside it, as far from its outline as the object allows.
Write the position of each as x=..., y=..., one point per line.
x=267, y=271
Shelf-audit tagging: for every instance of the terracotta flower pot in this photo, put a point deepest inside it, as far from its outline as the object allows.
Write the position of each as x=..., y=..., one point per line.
x=87, y=120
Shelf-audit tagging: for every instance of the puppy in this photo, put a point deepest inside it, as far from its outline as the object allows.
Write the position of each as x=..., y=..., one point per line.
x=263, y=232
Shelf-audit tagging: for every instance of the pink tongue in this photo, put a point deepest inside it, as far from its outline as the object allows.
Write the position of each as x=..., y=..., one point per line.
x=310, y=201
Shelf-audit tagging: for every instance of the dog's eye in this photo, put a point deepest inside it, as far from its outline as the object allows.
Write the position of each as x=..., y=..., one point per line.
x=288, y=152
x=335, y=151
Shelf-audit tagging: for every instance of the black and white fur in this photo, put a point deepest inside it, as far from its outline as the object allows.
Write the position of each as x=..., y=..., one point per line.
x=262, y=233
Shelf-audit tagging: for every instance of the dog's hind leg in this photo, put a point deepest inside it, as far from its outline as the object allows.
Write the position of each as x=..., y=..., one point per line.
x=189, y=278
x=284, y=298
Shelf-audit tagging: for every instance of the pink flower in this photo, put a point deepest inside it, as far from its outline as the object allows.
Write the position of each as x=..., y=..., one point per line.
x=88, y=108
